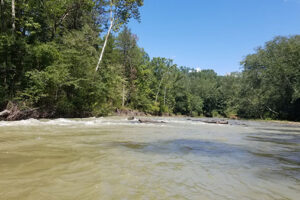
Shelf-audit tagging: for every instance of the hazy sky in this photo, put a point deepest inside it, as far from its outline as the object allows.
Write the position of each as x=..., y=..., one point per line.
x=214, y=34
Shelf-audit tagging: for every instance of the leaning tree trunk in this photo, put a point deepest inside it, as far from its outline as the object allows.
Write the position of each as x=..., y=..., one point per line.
x=13, y=15
x=107, y=35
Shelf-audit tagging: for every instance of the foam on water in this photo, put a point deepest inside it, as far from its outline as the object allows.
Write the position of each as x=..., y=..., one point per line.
x=74, y=122
x=28, y=122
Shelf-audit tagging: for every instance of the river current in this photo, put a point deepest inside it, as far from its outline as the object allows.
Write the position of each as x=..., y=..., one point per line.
x=113, y=158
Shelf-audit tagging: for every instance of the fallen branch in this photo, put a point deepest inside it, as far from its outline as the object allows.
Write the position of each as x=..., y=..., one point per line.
x=4, y=113
x=151, y=121
x=272, y=110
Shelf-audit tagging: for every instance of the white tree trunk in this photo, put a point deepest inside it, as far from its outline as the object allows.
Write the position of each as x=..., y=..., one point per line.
x=107, y=36
x=13, y=15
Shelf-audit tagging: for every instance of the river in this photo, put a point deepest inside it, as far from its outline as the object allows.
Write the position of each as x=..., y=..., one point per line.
x=113, y=158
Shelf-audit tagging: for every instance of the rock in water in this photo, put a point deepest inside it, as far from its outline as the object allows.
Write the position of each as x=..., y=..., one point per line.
x=131, y=118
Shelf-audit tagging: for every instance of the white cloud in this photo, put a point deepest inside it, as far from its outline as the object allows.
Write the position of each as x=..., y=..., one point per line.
x=198, y=69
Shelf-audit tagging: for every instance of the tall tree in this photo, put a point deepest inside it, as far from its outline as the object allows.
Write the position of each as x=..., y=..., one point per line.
x=131, y=57
x=120, y=11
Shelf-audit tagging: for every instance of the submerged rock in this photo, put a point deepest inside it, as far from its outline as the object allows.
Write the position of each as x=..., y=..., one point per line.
x=131, y=118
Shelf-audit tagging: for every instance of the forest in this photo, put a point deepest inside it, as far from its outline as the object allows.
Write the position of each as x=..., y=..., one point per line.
x=49, y=52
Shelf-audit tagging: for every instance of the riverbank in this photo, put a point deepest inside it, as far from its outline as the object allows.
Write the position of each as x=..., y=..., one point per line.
x=17, y=112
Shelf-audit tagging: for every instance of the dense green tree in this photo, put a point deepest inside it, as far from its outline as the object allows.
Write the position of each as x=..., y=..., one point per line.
x=271, y=80
x=131, y=58
x=230, y=85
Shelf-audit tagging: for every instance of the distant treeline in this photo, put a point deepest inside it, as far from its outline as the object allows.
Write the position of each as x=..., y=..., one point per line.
x=49, y=51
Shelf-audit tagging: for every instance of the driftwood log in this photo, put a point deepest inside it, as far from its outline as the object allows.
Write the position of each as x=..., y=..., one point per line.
x=4, y=114
x=151, y=121
x=15, y=111
x=222, y=122
x=211, y=121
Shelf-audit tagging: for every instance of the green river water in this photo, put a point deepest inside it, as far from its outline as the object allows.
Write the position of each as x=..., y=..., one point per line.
x=113, y=158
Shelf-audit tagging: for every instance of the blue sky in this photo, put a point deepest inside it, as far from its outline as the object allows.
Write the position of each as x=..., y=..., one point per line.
x=213, y=34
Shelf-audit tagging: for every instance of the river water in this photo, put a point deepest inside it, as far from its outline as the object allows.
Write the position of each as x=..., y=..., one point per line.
x=113, y=158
